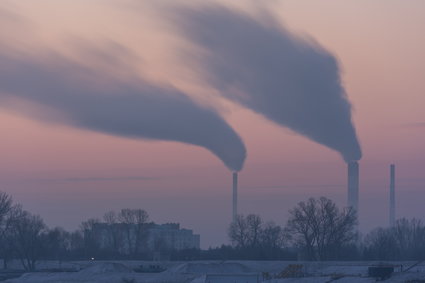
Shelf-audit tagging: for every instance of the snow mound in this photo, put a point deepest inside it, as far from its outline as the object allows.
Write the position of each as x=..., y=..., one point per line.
x=211, y=268
x=105, y=267
x=108, y=272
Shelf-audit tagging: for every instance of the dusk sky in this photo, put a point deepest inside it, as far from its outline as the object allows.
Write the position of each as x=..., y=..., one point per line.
x=60, y=162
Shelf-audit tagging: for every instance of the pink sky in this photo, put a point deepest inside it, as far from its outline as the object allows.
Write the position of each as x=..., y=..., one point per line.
x=68, y=175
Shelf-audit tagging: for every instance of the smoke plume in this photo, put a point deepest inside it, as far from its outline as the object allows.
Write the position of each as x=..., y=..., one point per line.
x=129, y=107
x=290, y=80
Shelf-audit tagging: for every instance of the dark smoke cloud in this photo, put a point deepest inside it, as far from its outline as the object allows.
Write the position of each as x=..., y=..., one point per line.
x=261, y=65
x=129, y=107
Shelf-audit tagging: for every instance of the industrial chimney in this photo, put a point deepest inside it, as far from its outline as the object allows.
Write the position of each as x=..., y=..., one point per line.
x=392, y=195
x=235, y=196
x=353, y=185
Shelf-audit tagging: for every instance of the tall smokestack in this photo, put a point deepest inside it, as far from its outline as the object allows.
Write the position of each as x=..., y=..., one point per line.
x=353, y=185
x=235, y=196
x=392, y=195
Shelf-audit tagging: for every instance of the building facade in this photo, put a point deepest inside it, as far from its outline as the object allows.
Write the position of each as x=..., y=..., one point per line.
x=129, y=239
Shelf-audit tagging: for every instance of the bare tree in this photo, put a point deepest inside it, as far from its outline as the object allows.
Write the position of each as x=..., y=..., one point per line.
x=110, y=217
x=272, y=236
x=410, y=238
x=141, y=218
x=135, y=225
x=321, y=229
x=27, y=231
x=6, y=205
x=254, y=224
x=58, y=243
x=76, y=243
x=238, y=232
x=380, y=244
x=113, y=228
x=250, y=232
x=126, y=217
x=91, y=237
x=404, y=241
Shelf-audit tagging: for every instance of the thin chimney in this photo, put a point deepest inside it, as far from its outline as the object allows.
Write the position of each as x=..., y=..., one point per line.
x=392, y=195
x=353, y=185
x=235, y=196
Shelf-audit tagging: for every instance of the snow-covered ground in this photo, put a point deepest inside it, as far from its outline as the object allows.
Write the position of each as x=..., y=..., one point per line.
x=216, y=272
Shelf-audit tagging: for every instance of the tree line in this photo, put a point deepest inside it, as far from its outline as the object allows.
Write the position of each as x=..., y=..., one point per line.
x=25, y=236
x=316, y=230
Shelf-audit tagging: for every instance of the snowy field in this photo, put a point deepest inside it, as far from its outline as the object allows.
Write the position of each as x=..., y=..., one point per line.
x=218, y=272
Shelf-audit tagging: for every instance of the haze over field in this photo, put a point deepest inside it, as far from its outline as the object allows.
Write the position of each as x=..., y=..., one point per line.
x=111, y=104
